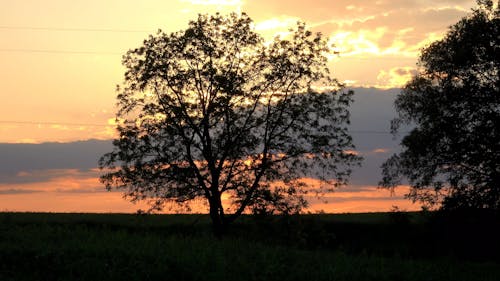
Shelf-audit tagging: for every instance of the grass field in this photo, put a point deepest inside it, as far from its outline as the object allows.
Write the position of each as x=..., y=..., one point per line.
x=379, y=246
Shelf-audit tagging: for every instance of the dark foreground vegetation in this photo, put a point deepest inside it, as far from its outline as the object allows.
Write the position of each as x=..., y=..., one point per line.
x=378, y=246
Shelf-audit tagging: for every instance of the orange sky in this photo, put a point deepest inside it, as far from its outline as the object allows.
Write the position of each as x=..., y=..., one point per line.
x=61, y=59
x=61, y=62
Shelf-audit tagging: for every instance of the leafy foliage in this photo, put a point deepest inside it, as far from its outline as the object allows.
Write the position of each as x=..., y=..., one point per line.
x=453, y=154
x=214, y=111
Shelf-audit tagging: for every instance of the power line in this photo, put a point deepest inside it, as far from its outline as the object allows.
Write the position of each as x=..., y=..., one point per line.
x=64, y=29
x=51, y=123
x=369, y=132
x=103, y=125
x=58, y=52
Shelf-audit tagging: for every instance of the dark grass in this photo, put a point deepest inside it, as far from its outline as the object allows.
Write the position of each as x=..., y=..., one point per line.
x=394, y=246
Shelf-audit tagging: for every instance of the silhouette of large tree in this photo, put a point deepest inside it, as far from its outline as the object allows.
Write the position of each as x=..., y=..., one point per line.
x=452, y=156
x=215, y=112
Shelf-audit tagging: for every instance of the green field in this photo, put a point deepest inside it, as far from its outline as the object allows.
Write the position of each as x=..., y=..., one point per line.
x=378, y=246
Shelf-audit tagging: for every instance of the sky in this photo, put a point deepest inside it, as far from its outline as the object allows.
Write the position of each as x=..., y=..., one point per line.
x=61, y=62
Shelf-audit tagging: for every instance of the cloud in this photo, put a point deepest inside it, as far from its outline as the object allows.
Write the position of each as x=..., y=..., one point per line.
x=352, y=152
x=79, y=155
x=362, y=199
x=362, y=42
x=381, y=150
x=367, y=34
x=17, y=191
x=61, y=180
x=395, y=77
x=109, y=202
x=400, y=33
x=214, y=2
x=368, y=193
x=207, y=6
x=45, y=132
x=355, y=8
x=279, y=24
x=363, y=206
x=27, y=141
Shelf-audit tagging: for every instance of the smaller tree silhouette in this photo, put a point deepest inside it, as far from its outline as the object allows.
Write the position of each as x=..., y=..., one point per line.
x=452, y=157
x=214, y=112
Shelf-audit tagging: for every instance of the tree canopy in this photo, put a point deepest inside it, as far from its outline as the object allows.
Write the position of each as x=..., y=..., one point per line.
x=217, y=113
x=452, y=156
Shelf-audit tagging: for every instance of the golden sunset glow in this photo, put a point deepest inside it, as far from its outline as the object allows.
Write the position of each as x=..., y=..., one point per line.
x=74, y=191
x=61, y=62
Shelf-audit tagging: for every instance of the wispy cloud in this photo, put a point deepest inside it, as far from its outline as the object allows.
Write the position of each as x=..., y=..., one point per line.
x=61, y=180
x=381, y=150
x=17, y=191
x=380, y=33
x=363, y=199
x=214, y=2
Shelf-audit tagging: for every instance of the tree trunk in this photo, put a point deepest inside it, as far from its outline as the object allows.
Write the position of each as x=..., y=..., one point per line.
x=217, y=216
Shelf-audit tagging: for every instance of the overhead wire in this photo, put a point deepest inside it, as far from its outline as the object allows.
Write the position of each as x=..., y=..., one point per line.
x=71, y=29
x=103, y=125
x=63, y=29
x=52, y=123
x=59, y=52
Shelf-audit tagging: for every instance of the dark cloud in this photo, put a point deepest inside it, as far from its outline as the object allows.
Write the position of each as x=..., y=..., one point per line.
x=18, y=191
x=80, y=155
x=371, y=113
x=59, y=167
x=404, y=71
x=372, y=110
x=27, y=176
x=99, y=189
